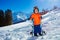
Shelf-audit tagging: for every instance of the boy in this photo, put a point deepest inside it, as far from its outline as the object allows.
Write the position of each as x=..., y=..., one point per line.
x=36, y=17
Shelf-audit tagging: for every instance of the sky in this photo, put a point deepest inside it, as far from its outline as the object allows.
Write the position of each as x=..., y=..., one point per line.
x=27, y=5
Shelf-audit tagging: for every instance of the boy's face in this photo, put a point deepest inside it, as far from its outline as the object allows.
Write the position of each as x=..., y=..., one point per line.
x=36, y=10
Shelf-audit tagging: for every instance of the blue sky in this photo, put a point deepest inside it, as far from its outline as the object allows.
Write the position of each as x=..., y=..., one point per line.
x=27, y=5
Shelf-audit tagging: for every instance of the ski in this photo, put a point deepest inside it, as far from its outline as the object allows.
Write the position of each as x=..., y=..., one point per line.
x=43, y=33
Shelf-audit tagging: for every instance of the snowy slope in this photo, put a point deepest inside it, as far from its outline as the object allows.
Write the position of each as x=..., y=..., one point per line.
x=15, y=26
x=20, y=31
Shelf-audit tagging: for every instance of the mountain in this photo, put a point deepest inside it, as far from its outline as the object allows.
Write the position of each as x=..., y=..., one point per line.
x=20, y=31
x=18, y=17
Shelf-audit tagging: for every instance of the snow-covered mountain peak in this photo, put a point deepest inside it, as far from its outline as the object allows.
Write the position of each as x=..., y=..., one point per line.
x=21, y=16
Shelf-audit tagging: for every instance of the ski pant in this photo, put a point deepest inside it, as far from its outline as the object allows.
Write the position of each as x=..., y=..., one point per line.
x=37, y=29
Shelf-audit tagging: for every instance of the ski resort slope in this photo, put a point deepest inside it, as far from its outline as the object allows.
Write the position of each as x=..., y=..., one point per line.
x=21, y=31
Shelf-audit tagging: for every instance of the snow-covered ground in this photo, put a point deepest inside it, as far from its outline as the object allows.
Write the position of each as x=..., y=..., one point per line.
x=21, y=31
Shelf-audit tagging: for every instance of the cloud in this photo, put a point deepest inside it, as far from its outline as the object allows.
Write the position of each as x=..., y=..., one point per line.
x=53, y=2
x=46, y=4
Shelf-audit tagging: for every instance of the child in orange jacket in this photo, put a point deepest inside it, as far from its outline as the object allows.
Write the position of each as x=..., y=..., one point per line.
x=36, y=17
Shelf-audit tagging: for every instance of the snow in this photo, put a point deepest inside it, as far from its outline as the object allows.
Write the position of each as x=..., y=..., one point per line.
x=21, y=17
x=20, y=31
x=16, y=26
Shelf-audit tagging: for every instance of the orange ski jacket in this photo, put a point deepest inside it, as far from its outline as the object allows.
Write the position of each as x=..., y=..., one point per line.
x=36, y=18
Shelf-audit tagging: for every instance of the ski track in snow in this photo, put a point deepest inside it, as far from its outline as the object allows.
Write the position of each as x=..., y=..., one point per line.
x=21, y=31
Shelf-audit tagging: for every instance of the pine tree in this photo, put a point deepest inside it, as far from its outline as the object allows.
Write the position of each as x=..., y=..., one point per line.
x=8, y=17
x=1, y=18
